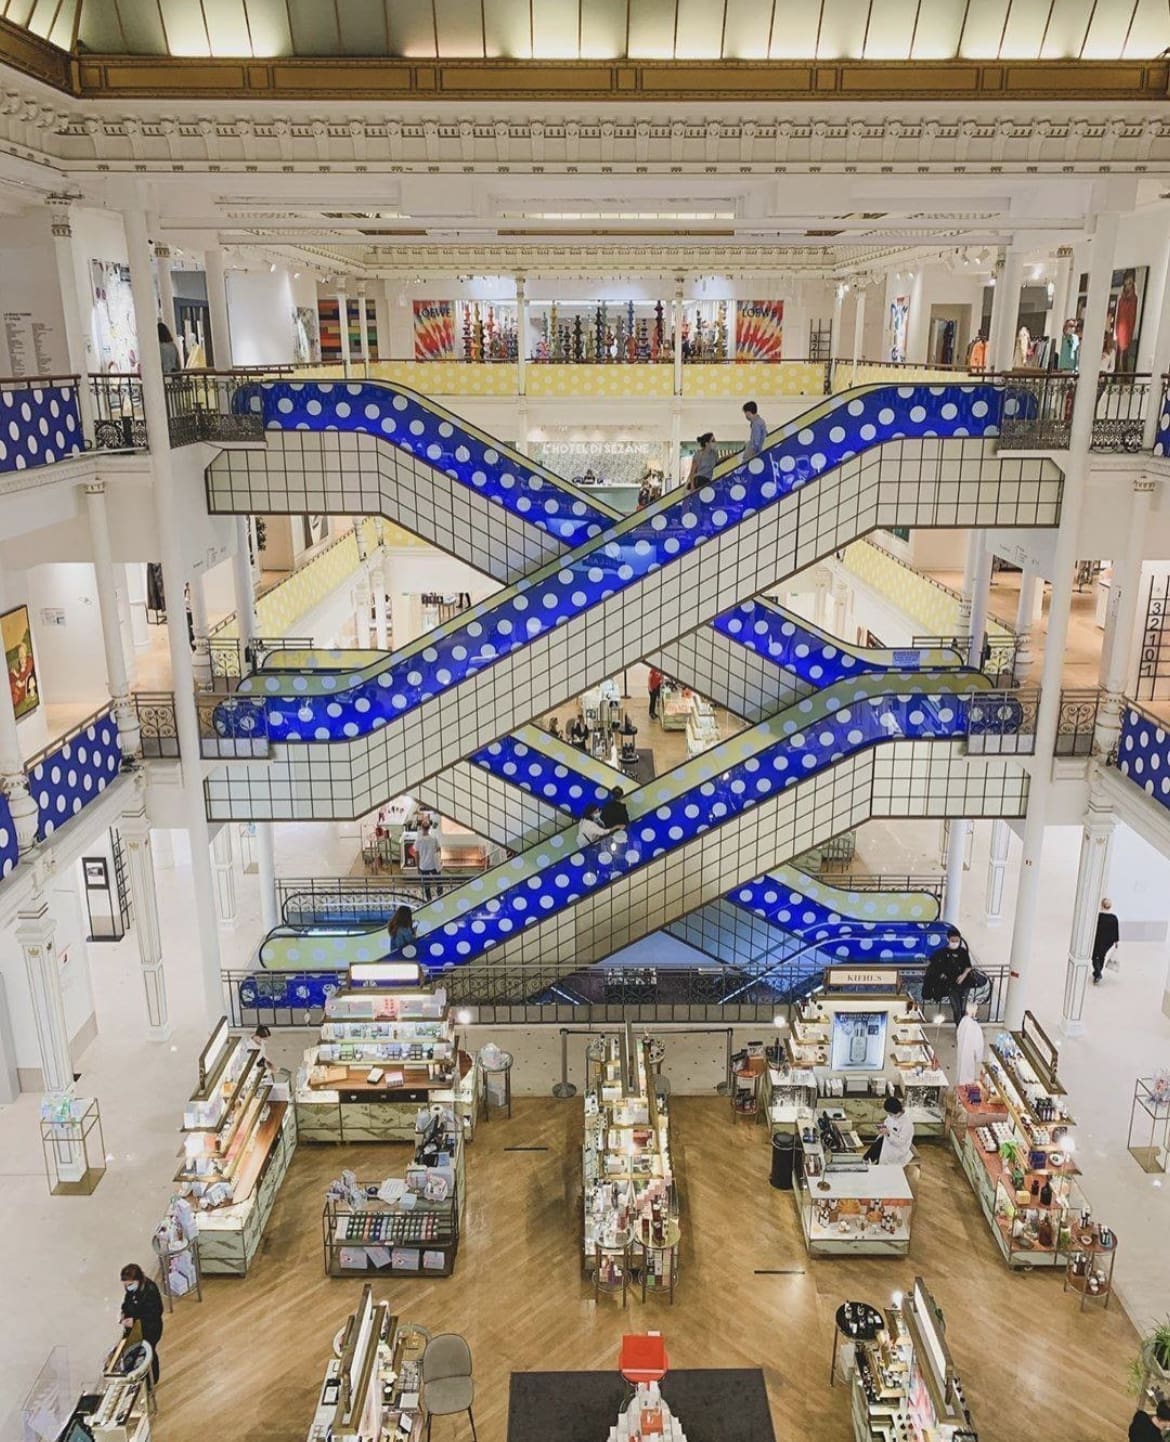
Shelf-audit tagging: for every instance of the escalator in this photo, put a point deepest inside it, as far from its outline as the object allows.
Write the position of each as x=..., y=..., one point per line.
x=912, y=455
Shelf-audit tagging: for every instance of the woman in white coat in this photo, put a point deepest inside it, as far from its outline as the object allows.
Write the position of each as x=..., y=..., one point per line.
x=895, y=1146
x=969, y=1043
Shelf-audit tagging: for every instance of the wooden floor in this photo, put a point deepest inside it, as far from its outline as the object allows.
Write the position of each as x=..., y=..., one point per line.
x=246, y=1364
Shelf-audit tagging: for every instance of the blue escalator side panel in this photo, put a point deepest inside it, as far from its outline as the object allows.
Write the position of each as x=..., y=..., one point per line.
x=553, y=781
x=843, y=938
x=402, y=419
x=568, y=873
x=357, y=705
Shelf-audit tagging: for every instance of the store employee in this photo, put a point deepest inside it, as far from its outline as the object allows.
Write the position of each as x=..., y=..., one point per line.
x=895, y=1146
x=1145, y=1428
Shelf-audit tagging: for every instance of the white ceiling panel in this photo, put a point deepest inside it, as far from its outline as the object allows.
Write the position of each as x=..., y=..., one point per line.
x=889, y=29
x=983, y=29
x=795, y=24
x=603, y=29
x=1108, y=29
x=507, y=28
x=1024, y=32
x=227, y=27
x=652, y=25
x=141, y=26
x=64, y=25
x=1150, y=32
x=314, y=28
x=459, y=24
x=19, y=12
x=183, y=23
x=699, y=31
x=411, y=27
x=939, y=23
x=361, y=25
x=556, y=28
x=842, y=33
x=268, y=25
x=747, y=27
x=1067, y=25
x=100, y=30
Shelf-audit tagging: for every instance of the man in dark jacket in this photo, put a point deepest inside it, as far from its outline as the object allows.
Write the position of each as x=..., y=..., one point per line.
x=1145, y=1428
x=613, y=810
x=949, y=973
x=1105, y=938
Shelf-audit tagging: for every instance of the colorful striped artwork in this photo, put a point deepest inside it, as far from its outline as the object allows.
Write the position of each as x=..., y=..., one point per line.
x=327, y=314
x=759, y=329
x=434, y=330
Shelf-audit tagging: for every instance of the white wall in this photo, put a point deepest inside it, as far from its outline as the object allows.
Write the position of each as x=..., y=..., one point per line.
x=1138, y=884
x=33, y=338
x=260, y=313
x=97, y=235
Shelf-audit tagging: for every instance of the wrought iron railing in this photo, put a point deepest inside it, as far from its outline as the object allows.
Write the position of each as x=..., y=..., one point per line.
x=538, y=994
x=119, y=416
x=931, y=883
x=997, y=655
x=1038, y=411
x=1077, y=721
x=202, y=405
x=344, y=899
x=157, y=724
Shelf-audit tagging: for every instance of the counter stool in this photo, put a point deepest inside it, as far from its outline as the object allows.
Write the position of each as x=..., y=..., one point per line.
x=504, y=1069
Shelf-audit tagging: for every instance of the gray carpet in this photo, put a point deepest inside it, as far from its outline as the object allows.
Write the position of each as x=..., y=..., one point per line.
x=713, y=1406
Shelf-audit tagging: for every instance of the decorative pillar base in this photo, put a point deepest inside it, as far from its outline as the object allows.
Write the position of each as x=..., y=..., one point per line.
x=129, y=731
x=25, y=816
x=1076, y=984
x=1107, y=731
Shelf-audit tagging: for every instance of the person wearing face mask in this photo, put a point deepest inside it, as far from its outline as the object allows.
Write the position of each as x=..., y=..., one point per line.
x=143, y=1303
x=1147, y=1428
x=950, y=973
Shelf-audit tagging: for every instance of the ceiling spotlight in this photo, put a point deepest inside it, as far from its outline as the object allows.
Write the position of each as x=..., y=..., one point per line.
x=271, y=266
x=296, y=275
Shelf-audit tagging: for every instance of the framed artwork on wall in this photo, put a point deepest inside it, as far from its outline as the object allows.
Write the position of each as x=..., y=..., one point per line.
x=18, y=657
x=759, y=330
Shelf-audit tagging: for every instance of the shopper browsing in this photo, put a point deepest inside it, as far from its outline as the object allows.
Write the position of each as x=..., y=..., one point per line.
x=1105, y=938
x=401, y=930
x=429, y=855
x=142, y=1304
x=757, y=432
x=590, y=829
x=895, y=1143
x=613, y=810
x=578, y=734
x=654, y=687
x=1147, y=1428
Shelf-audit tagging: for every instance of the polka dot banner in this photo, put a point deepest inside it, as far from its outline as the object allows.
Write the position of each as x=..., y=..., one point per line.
x=9, y=850
x=1162, y=435
x=75, y=774
x=310, y=707
x=38, y=425
x=298, y=991
x=1143, y=753
x=407, y=421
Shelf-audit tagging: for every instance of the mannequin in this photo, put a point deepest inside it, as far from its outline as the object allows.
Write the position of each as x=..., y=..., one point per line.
x=969, y=1045
x=1023, y=350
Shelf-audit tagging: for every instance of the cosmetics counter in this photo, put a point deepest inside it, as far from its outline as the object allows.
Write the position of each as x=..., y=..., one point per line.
x=861, y=1047
x=402, y=1226
x=239, y=1134
x=372, y=1387
x=630, y=1220
x=848, y=1206
x=383, y=1053
x=119, y=1408
x=903, y=1383
x=1016, y=1140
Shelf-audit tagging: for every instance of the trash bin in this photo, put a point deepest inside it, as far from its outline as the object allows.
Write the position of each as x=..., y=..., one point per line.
x=783, y=1156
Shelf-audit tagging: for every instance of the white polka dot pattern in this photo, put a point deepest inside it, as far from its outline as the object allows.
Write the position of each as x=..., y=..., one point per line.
x=75, y=774
x=1162, y=435
x=1143, y=753
x=38, y=426
x=9, y=850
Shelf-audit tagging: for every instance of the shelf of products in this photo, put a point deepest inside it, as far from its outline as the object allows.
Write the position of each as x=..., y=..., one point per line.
x=702, y=728
x=373, y=1384
x=674, y=706
x=382, y=1053
x=1016, y=1140
x=786, y=1092
x=630, y=1202
x=405, y=1226
x=903, y=1383
x=1089, y=1269
x=848, y=1206
x=859, y=1047
x=239, y=1133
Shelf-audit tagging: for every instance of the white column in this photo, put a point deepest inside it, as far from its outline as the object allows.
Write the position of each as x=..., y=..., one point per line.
x=35, y=932
x=1058, y=311
x=129, y=733
x=364, y=337
x=858, y=330
x=1007, y=310
x=821, y=584
x=976, y=576
x=170, y=533
x=13, y=780
x=343, y=326
x=676, y=461
x=957, y=832
x=918, y=322
x=842, y=608
x=1096, y=840
x=1076, y=470
x=1121, y=620
x=135, y=831
x=521, y=336
x=1160, y=363
x=136, y=596
x=75, y=329
x=997, y=859
x=835, y=331
x=166, y=284
x=980, y=588
x=223, y=871
x=1025, y=614
x=242, y=579
x=201, y=657
x=266, y=868
x=362, y=597
x=221, y=333
x=677, y=310
x=378, y=585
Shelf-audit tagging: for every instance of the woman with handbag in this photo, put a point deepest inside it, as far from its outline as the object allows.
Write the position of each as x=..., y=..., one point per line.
x=142, y=1307
x=1105, y=938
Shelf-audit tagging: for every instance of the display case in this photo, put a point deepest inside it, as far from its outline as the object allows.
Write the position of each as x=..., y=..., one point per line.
x=903, y=1382
x=71, y=1140
x=1089, y=1269
x=239, y=1133
x=702, y=727
x=629, y=1192
x=848, y=1206
x=383, y=1052
x=1016, y=1140
x=1149, y=1121
x=373, y=1384
x=862, y=1046
x=674, y=707
x=406, y=1226
x=786, y=1093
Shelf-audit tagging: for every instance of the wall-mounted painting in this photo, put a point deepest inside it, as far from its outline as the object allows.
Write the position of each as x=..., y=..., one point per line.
x=18, y=656
x=759, y=330
x=434, y=330
x=899, y=327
